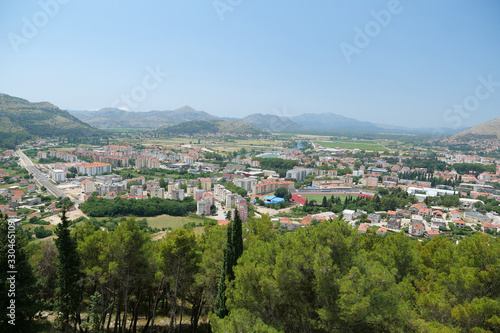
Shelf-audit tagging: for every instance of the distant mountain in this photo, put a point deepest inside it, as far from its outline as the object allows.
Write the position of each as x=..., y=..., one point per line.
x=21, y=120
x=203, y=127
x=332, y=121
x=116, y=118
x=269, y=122
x=488, y=130
x=310, y=123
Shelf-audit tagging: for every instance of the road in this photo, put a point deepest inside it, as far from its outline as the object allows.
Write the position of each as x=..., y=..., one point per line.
x=38, y=176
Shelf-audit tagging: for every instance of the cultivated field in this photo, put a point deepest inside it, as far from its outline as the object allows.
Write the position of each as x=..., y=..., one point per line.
x=359, y=144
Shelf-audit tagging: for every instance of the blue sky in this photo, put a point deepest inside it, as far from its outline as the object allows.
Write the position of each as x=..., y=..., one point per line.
x=237, y=57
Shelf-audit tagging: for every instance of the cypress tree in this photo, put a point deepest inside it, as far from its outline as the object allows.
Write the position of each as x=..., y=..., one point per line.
x=227, y=271
x=237, y=239
x=68, y=272
x=232, y=252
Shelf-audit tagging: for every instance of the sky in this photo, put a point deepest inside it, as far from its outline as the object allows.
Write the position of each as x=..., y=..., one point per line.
x=419, y=63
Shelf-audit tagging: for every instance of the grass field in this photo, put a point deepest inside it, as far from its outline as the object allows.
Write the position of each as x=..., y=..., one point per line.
x=319, y=197
x=359, y=144
x=174, y=222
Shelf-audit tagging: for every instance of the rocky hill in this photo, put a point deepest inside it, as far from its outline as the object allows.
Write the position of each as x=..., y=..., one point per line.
x=490, y=129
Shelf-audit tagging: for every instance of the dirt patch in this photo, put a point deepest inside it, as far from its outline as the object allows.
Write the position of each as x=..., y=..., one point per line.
x=72, y=215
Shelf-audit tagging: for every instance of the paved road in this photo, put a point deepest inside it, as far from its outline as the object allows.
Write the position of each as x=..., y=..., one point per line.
x=38, y=176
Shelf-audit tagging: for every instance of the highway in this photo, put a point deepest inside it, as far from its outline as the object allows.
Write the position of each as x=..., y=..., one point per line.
x=38, y=176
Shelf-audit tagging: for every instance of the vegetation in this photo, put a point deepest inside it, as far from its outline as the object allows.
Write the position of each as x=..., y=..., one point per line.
x=203, y=127
x=21, y=120
x=14, y=256
x=232, y=252
x=100, y=207
x=235, y=189
x=277, y=164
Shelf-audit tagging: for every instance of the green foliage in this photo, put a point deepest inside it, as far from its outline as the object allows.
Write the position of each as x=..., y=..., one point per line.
x=68, y=273
x=22, y=120
x=277, y=164
x=240, y=320
x=100, y=207
x=232, y=252
x=41, y=232
x=14, y=251
x=201, y=127
x=283, y=192
x=235, y=189
x=465, y=168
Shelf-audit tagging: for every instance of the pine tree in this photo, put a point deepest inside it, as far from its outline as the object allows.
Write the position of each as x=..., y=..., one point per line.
x=68, y=272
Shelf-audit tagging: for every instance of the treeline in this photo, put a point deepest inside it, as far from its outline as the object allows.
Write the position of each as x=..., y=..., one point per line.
x=277, y=164
x=428, y=177
x=100, y=207
x=324, y=278
x=383, y=201
x=431, y=164
x=465, y=168
x=329, y=278
x=235, y=189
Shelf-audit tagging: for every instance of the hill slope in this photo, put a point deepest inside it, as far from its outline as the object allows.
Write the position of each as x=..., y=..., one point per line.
x=116, y=118
x=203, y=127
x=490, y=129
x=332, y=121
x=269, y=122
x=22, y=120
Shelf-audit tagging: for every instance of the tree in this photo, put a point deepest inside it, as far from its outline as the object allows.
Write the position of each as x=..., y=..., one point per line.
x=14, y=256
x=232, y=252
x=179, y=258
x=283, y=192
x=68, y=273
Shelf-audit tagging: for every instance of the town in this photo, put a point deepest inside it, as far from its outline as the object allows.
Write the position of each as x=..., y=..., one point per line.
x=421, y=192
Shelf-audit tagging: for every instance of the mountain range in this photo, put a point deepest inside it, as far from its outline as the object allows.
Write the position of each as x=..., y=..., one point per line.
x=315, y=123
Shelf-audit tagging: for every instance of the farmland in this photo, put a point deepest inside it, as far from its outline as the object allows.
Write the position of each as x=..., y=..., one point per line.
x=350, y=144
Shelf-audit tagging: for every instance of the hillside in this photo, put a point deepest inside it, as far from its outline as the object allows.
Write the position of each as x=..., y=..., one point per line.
x=116, y=118
x=490, y=129
x=21, y=120
x=271, y=122
x=203, y=127
x=332, y=121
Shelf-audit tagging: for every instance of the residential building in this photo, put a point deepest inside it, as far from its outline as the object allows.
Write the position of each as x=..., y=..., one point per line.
x=206, y=184
x=203, y=207
x=157, y=192
x=88, y=186
x=245, y=183
x=93, y=169
x=58, y=176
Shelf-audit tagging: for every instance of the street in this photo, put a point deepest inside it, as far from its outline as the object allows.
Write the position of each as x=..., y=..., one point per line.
x=38, y=176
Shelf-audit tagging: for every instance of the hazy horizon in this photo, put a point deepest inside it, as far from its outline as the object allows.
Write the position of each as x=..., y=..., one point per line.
x=401, y=63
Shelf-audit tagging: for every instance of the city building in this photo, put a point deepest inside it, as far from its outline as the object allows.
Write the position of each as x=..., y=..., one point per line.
x=58, y=175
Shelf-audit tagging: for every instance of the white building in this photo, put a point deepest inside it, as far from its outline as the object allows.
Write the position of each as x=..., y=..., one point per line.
x=245, y=183
x=58, y=175
x=88, y=186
